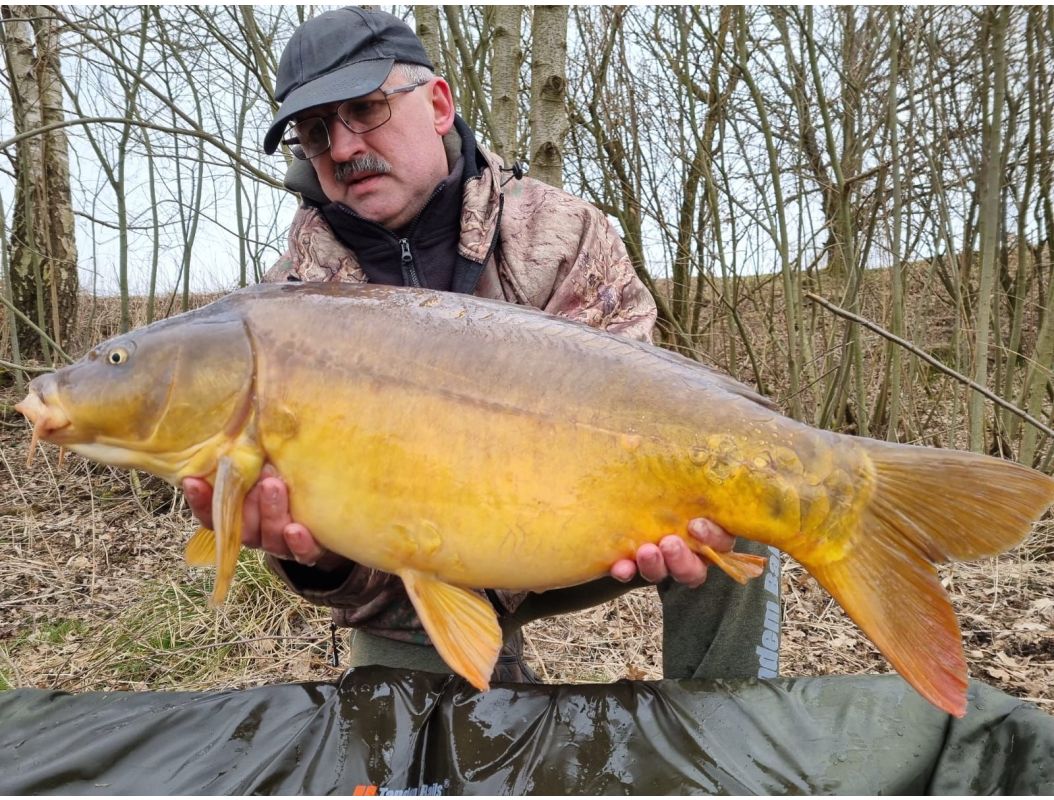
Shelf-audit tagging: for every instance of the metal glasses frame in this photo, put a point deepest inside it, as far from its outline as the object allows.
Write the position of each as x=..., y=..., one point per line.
x=297, y=148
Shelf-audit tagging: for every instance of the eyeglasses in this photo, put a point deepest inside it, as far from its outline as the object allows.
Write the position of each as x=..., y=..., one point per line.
x=359, y=115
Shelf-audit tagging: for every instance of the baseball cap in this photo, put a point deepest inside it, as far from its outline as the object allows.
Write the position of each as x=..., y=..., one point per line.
x=338, y=55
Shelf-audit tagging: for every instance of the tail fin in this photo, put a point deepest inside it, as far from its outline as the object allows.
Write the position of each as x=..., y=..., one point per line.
x=928, y=506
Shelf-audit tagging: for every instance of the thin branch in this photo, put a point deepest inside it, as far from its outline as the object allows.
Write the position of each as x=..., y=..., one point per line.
x=871, y=326
x=208, y=137
x=23, y=367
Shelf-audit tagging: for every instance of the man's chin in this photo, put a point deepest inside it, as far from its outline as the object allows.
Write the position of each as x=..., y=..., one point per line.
x=382, y=211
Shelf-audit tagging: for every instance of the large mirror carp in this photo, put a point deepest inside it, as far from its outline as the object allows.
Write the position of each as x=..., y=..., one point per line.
x=464, y=443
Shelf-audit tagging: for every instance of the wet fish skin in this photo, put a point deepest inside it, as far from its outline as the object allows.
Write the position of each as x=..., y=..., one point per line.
x=459, y=442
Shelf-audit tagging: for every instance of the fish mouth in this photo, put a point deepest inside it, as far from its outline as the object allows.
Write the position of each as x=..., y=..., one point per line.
x=48, y=421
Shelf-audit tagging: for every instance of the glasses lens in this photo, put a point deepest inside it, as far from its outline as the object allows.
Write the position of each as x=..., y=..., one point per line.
x=364, y=115
x=313, y=135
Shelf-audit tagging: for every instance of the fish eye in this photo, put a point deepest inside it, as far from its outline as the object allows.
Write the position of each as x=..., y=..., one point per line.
x=117, y=356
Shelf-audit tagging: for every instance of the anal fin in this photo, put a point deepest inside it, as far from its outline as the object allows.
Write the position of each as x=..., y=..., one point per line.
x=462, y=626
x=740, y=567
x=201, y=549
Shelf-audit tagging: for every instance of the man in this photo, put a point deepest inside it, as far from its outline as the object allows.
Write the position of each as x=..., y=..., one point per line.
x=397, y=191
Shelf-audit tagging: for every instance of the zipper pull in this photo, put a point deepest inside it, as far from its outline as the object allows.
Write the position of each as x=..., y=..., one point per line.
x=407, y=258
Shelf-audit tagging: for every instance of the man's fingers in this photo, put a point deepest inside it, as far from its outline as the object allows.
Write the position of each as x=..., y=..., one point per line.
x=710, y=533
x=266, y=522
x=274, y=516
x=624, y=570
x=302, y=545
x=651, y=564
x=199, y=499
x=251, y=511
x=683, y=565
x=251, y=518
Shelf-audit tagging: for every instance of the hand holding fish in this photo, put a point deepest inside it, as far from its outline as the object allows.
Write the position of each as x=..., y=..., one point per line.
x=269, y=525
x=267, y=522
x=671, y=558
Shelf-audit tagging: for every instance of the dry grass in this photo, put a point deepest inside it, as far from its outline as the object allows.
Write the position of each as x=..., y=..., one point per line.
x=96, y=595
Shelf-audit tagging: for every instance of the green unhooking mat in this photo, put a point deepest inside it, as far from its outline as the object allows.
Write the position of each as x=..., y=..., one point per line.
x=384, y=731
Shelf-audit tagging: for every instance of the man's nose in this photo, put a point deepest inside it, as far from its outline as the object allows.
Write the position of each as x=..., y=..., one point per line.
x=343, y=144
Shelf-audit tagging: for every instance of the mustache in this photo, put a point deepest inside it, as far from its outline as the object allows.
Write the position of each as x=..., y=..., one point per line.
x=366, y=163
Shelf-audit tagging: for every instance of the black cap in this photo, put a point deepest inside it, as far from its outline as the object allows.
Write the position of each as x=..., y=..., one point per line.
x=338, y=55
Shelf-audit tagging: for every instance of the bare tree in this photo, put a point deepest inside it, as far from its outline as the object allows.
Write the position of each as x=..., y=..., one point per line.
x=994, y=32
x=895, y=162
x=43, y=258
x=548, y=117
x=505, y=78
x=426, y=20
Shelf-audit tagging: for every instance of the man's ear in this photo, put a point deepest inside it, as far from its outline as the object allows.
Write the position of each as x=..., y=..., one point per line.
x=442, y=106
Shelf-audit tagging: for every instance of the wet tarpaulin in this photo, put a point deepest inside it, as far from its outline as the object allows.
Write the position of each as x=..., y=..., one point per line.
x=388, y=731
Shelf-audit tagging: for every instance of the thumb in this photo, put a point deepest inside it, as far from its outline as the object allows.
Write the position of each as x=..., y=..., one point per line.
x=199, y=499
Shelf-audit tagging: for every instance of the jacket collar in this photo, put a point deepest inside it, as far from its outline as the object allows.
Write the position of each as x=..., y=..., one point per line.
x=481, y=204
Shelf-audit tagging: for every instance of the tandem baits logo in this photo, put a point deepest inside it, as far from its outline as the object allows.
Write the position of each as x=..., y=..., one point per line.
x=428, y=790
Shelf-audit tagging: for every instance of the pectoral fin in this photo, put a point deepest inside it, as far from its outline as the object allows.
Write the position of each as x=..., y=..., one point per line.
x=235, y=473
x=462, y=626
x=201, y=549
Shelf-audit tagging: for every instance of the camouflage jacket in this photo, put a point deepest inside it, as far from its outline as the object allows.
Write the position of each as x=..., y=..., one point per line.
x=531, y=244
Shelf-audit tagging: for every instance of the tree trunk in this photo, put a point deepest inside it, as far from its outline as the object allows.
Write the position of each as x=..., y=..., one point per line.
x=896, y=272
x=505, y=78
x=472, y=100
x=548, y=88
x=998, y=21
x=43, y=264
x=61, y=270
x=427, y=26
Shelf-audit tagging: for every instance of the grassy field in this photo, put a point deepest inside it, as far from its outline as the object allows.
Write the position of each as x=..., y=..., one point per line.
x=94, y=594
